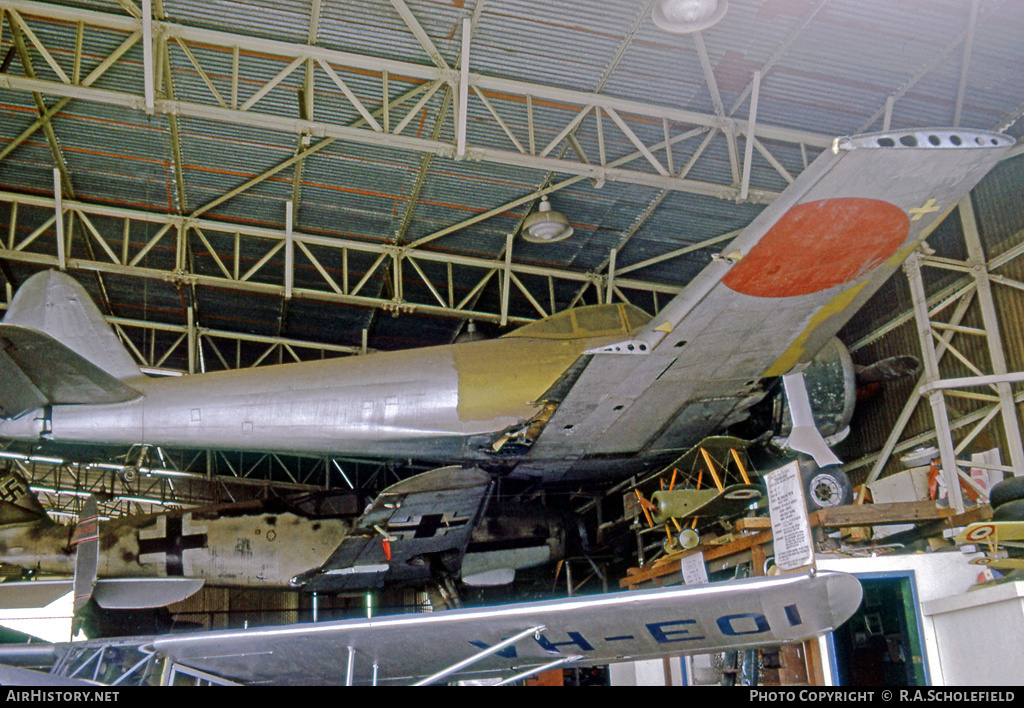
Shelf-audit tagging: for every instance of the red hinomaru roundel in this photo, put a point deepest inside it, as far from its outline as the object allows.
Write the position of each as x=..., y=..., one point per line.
x=818, y=245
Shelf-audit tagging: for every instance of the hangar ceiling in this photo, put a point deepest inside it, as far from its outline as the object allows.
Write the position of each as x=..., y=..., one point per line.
x=242, y=182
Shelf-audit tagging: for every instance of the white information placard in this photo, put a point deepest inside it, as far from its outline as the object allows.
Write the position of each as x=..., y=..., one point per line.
x=693, y=569
x=791, y=529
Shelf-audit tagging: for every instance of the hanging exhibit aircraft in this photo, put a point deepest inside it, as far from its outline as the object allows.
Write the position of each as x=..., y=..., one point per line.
x=486, y=642
x=587, y=394
x=593, y=392
x=424, y=529
x=590, y=393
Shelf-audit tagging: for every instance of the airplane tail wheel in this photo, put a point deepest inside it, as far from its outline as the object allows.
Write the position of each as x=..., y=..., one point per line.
x=825, y=487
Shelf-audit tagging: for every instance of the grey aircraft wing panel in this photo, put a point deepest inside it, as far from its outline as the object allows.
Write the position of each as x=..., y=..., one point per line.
x=412, y=530
x=776, y=294
x=602, y=628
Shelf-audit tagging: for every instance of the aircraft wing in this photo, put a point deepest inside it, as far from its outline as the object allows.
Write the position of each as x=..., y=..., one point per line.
x=412, y=531
x=592, y=630
x=774, y=296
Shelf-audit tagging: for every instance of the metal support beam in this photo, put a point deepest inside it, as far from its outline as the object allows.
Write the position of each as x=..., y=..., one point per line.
x=965, y=292
x=148, y=71
x=506, y=279
x=289, y=251
x=936, y=400
x=463, y=109
x=557, y=104
x=193, y=340
x=59, y=209
x=171, y=233
x=479, y=655
x=976, y=259
x=967, y=381
x=972, y=23
x=748, y=148
x=611, y=275
x=421, y=36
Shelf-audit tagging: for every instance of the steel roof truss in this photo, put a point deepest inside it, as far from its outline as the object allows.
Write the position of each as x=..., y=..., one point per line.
x=552, y=101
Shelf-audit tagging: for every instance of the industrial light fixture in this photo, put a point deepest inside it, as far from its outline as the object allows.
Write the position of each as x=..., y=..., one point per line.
x=685, y=16
x=546, y=225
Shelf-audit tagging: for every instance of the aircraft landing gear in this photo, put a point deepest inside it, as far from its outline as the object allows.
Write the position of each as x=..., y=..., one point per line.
x=824, y=487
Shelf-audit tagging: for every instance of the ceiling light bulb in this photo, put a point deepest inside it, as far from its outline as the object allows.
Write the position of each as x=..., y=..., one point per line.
x=684, y=16
x=546, y=225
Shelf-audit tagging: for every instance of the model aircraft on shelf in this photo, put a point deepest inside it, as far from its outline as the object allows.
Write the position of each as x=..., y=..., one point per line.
x=710, y=485
x=1000, y=539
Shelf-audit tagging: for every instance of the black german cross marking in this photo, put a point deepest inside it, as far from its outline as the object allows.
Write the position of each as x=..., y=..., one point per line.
x=428, y=525
x=173, y=545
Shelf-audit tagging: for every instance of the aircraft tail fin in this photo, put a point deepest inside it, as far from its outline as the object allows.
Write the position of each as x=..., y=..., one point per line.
x=58, y=349
x=18, y=504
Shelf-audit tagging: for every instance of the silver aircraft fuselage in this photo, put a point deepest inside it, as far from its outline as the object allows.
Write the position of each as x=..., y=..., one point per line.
x=446, y=403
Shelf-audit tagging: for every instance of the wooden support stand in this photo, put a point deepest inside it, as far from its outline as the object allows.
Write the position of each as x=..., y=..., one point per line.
x=929, y=518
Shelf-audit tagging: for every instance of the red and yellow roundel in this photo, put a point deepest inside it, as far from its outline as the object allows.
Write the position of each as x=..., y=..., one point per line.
x=818, y=245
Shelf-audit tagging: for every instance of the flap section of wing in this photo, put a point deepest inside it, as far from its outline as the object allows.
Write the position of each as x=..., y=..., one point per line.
x=412, y=530
x=780, y=291
x=40, y=371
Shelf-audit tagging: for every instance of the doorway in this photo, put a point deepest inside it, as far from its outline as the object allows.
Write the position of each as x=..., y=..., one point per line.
x=881, y=644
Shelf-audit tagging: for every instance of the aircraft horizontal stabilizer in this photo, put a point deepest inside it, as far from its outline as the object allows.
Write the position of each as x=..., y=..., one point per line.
x=56, y=348
x=143, y=593
x=18, y=505
x=110, y=594
x=15, y=676
x=37, y=593
x=42, y=371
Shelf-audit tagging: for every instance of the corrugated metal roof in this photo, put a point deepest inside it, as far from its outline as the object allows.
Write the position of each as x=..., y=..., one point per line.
x=828, y=68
